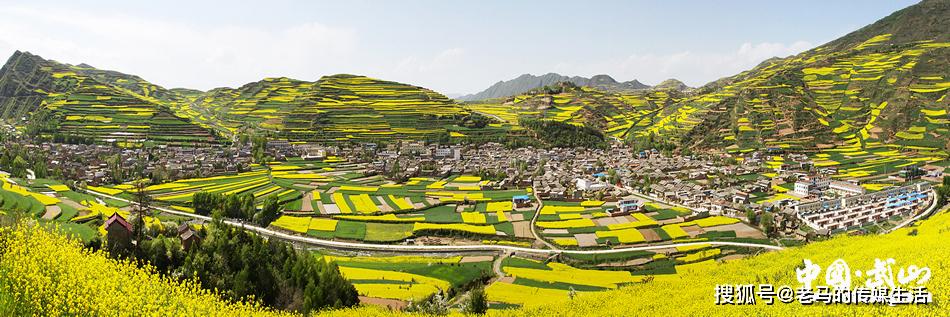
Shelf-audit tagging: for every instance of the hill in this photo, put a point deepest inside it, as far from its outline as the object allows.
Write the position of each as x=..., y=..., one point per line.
x=339, y=107
x=81, y=103
x=878, y=89
x=883, y=84
x=615, y=114
x=528, y=82
x=673, y=84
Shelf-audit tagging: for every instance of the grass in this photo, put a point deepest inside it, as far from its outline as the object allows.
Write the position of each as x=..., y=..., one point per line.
x=456, y=274
x=387, y=232
x=351, y=230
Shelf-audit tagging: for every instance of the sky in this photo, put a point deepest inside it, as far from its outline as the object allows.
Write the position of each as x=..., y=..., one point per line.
x=454, y=47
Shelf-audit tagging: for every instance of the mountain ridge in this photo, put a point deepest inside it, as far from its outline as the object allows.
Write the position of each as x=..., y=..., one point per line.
x=527, y=82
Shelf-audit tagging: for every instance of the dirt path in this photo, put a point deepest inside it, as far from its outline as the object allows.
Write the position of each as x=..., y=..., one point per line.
x=383, y=302
x=534, y=230
x=499, y=273
x=52, y=212
x=307, y=205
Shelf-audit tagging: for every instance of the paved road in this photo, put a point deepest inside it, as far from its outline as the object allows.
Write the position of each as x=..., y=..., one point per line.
x=930, y=209
x=434, y=248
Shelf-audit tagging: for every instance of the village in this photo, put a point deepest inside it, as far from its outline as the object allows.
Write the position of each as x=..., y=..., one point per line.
x=714, y=184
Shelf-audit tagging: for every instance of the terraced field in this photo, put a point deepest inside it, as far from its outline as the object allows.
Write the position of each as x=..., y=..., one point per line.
x=81, y=102
x=84, y=103
x=410, y=278
x=338, y=107
x=616, y=114
x=335, y=200
x=587, y=225
x=877, y=90
x=549, y=282
x=54, y=204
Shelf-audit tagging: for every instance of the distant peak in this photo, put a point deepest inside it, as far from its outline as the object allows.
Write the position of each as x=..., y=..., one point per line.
x=602, y=79
x=672, y=83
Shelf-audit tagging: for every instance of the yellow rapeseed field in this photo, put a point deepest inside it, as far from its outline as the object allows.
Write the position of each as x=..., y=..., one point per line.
x=46, y=274
x=566, y=274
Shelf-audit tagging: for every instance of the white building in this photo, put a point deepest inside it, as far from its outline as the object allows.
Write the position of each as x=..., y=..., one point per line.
x=846, y=188
x=857, y=210
x=449, y=152
x=588, y=185
x=802, y=188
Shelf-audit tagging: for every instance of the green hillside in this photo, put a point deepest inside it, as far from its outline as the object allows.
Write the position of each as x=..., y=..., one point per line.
x=615, y=114
x=335, y=108
x=83, y=103
x=885, y=84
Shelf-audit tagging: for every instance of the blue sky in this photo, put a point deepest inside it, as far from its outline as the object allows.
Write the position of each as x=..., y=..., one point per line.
x=450, y=46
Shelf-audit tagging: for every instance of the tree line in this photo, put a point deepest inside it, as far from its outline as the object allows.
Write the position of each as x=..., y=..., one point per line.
x=244, y=266
x=236, y=207
x=560, y=134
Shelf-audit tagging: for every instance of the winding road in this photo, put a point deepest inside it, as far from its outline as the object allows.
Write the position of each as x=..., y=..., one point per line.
x=925, y=213
x=432, y=248
x=534, y=229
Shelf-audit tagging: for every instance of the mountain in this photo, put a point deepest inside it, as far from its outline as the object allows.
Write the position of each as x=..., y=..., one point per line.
x=338, y=107
x=614, y=114
x=81, y=103
x=871, y=94
x=881, y=87
x=528, y=82
x=672, y=84
x=518, y=85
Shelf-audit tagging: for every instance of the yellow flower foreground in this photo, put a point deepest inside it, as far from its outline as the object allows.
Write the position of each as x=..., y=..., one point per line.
x=47, y=274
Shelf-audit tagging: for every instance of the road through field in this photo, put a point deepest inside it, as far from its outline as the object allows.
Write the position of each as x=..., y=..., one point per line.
x=433, y=248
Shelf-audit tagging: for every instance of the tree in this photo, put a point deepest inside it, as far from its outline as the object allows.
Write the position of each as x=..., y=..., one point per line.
x=115, y=167
x=269, y=212
x=204, y=203
x=768, y=224
x=477, y=301
x=751, y=216
x=395, y=170
x=242, y=265
x=258, y=149
x=40, y=169
x=142, y=202
x=18, y=167
x=436, y=306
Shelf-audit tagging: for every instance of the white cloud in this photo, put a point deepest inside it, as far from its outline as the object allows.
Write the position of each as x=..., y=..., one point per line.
x=695, y=69
x=177, y=54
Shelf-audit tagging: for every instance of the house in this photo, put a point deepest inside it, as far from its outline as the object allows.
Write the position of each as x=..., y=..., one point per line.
x=625, y=207
x=118, y=231
x=803, y=187
x=740, y=197
x=584, y=184
x=448, y=152
x=189, y=238
x=521, y=201
x=846, y=188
